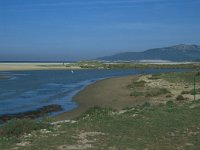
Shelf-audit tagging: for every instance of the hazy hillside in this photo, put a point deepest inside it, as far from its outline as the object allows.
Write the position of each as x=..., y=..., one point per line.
x=174, y=53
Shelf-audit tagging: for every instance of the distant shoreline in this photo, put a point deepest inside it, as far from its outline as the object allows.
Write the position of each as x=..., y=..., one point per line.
x=26, y=66
x=22, y=66
x=37, y=61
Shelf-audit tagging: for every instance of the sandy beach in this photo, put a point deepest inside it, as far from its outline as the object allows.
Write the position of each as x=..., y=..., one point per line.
x=116, y=93
x=34, y=66
x=109, y=93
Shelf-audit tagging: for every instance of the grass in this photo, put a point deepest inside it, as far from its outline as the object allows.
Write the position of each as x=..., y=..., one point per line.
x=17, y=127
x=136, y=88
x=91, y=64
x=197, y=91
x=163, y=126
x=180, y=98
x=191, y=92
x=156, y=92
x=185, y=92
x=186, y=77
x=136, y=93
x=155, y=77
x=140, y=83
x=132, y=65
x=169, y=126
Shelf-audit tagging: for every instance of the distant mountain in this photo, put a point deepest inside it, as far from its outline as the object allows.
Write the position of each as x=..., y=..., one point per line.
x=180, y=52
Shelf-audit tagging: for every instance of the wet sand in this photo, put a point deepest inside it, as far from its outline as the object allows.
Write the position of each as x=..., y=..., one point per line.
x=109, y=93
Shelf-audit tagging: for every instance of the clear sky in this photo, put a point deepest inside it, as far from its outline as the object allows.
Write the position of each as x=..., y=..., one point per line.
x=85, y=29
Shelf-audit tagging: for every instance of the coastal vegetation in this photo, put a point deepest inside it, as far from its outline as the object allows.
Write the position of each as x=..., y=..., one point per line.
x=40, y=112
x=96, y=64
x=18, y=127
x=191, y=92
x=156, y=92
x=169, y=119
x=165, y=126
x=91, y=64
x=131, y=65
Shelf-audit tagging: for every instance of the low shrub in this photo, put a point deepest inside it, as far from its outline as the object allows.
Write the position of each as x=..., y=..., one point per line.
x=17, y=127
x=197, y=91
x=136, y=93
x=97, y=113
x=185, y=92
x=140, y=83
x=157, y=92
x=191, y=91
x=168, y=95
x=180, y=98
x=198, y=73
x=170, y=103
x=154, y=77
x=146, y=104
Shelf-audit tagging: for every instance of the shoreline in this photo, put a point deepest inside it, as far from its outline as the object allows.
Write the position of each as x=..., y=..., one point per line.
x=36, y=66
x=115, y=95
x=110, y=92
x=31, y=66
x=118, y=92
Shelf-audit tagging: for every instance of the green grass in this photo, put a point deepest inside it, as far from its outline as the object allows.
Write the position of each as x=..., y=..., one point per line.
x=152, y=126
x=181, y=77
x=136, y=93
x=155, y=77
x=191, y=91
x=156, y=92
x=90, y=64
x=164, y=126
x=134, y=84
x=17, y=127
x=136, y=88
x=197, y=91
x=185, y=92
x=131, y=65
x=180, y=98
x=169, y=126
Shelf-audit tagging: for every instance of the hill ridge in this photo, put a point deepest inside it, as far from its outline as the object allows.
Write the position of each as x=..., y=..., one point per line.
x=180, y=52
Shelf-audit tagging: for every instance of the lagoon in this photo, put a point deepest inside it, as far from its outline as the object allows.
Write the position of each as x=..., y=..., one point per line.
x=29, y=90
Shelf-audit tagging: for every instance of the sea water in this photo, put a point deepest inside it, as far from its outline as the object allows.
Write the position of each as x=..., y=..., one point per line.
x=30, y=90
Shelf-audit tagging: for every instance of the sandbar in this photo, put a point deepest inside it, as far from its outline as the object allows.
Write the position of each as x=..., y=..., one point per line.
x=35, y=66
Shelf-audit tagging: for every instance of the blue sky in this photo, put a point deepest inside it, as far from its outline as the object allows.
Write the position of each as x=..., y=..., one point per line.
x=85, y=29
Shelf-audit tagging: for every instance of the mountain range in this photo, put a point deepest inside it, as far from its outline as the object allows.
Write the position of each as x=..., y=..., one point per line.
x=181, y=52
